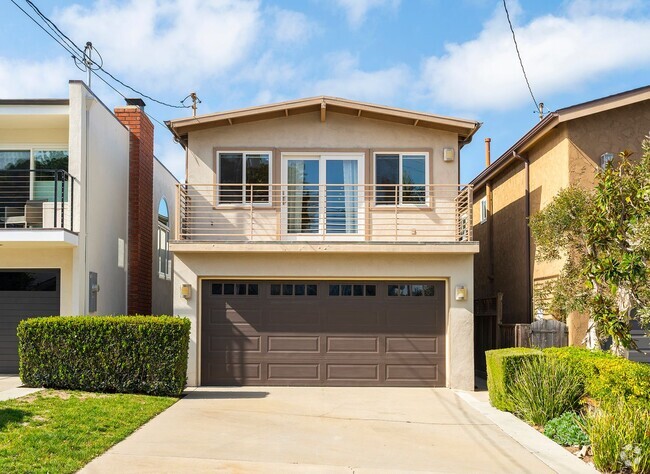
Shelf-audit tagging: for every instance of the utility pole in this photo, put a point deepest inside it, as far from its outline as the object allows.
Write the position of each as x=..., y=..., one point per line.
x=195, y=102
x=88, y=61
x=541, y=110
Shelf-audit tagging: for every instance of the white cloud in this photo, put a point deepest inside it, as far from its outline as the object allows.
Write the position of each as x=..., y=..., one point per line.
x=602, y=7
x=349, y=81
x=292, y=27
x=20, y=79
x=559, y=53
x=357, y=10
x=178, y=42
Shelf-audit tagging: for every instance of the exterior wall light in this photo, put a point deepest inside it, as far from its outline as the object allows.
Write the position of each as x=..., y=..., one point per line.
x=461, y=293
x=448, y=154
x=186, y=291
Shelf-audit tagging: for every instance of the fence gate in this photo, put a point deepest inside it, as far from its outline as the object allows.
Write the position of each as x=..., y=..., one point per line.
x=542, y=334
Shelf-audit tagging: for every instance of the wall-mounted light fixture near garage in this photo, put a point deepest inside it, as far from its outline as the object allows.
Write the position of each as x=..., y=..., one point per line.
x=186, y=291
x=461, y=293
x=448, y=154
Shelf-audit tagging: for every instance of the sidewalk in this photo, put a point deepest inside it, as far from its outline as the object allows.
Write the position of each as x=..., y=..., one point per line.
x=11, y=387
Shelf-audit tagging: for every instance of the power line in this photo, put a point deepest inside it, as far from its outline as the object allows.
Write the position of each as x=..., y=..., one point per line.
x=69, y=45
x=538, y=106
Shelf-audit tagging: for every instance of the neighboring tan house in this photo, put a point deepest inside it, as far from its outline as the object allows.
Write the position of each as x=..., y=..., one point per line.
x=566, y=148
x=76, y=212
x=324, y=241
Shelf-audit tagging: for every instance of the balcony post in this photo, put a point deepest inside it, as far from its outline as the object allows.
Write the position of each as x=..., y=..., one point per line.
x=56, y=185
x=396, y=203
x=250, y=227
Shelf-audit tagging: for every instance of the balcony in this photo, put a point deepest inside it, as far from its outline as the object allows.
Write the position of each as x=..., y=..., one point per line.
x=40, y=200
x=323, y=213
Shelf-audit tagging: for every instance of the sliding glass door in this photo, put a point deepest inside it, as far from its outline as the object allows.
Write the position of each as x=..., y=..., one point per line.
x=323, y=194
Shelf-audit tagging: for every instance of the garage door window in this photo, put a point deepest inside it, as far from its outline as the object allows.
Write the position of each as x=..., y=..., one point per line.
x=240, y=289
x=287, y=289
x=352, y=290
x=410, y=290
x=28, y=280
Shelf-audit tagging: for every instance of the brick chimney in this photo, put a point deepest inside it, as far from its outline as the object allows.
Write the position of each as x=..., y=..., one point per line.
x=140, y=238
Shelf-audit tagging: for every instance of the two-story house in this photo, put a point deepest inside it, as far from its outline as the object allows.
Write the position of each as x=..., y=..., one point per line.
x=79, y=230
x=564, y=149
x=324, y=241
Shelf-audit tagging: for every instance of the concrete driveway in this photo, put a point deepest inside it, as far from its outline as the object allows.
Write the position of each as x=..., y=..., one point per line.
x=319, y=430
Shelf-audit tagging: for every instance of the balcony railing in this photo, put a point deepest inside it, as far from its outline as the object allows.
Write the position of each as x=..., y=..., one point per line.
x=36, y=199
x=331, y=212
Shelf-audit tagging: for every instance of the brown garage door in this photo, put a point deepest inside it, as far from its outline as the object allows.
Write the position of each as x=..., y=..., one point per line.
x=323, y=333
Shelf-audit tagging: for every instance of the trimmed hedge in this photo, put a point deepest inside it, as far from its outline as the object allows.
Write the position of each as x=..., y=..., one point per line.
x=127, y=354
x=608, y=377
x=502, y=368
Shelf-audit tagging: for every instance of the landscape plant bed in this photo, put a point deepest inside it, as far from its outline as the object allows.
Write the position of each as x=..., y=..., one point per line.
x=57, y=431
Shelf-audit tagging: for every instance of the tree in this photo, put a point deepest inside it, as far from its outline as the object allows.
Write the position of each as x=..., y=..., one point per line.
x=603, y=235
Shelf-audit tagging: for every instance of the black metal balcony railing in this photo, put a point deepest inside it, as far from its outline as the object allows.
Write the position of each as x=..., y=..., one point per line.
x=36, y=199
x=347, y=212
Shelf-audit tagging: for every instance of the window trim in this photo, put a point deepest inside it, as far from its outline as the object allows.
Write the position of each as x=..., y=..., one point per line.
x=243, y=203
x=401, y=154
x=483, y=210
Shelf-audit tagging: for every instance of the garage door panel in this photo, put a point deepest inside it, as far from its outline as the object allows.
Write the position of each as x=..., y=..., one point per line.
x=324, y=339
x=352, y=344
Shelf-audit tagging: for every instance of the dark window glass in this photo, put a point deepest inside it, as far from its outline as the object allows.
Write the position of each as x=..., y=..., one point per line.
x=275, y=290
x=371, y=290
x=51, y=160
x=428, y=290
x=14, y=160
x=417, y=290
x=404, y=290
x=230, y=172
x=229, y=289
x=253, y=289
x=257, y=172
x=217, y=288
x=393, y=290
x=312, y=290
x=387, y=174
x=287, y=290
x=334, y=290
x=299, y=290
x=346, y=290
x=241, y=288
x=28, y=281
x=357, y=290
x=413, y=179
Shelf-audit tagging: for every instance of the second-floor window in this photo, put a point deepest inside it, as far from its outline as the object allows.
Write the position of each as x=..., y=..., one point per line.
x=401, y=178
x=243, y=177
x=164, y=260
x=483, y=209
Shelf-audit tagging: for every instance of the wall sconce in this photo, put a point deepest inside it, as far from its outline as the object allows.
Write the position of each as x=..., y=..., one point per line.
x=448, y=154
x=186, y=291
x=461, y=293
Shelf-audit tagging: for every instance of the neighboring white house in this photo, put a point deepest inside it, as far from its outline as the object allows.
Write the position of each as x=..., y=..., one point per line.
x=325, y=241
x=65, y=179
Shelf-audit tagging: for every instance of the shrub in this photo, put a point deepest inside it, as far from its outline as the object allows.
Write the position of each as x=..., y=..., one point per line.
x=566, y=430
x=502, y=368
x=129, y=354
x=620, y=437
x=607, y=377
x=544, y=388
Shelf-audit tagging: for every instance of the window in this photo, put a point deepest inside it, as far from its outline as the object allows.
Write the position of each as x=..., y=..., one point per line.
x=40, y=183
x=288, y=289
x=240, y=289
x=411, y=290
x=164, y=261
x=401, y=178
x=606, y=158
x=242, y=176
x=463, y=230
x=352, y=290
x=484, y=209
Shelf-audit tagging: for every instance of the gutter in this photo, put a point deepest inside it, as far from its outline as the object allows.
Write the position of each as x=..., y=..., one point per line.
x=529, y=303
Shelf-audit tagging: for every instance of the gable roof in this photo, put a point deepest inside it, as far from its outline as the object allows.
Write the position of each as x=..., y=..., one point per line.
x=553, y=119
x=182, y=126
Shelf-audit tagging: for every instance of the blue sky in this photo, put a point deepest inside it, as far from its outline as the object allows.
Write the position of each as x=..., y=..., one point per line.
x=446, y=57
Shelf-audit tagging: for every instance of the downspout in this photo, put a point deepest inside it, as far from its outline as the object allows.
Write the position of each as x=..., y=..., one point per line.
x=528, y=235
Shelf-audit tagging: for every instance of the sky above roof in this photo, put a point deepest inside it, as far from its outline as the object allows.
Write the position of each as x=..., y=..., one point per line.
x=449, y=58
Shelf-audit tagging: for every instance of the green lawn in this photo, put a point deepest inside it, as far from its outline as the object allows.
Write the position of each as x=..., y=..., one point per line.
x=59, y=431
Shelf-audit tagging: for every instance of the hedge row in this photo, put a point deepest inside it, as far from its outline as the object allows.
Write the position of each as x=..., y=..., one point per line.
x=128, y=354
x=606, y=376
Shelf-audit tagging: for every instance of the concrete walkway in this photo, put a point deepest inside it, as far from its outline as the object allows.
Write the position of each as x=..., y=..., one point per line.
x=11, y=387
x=319, y=430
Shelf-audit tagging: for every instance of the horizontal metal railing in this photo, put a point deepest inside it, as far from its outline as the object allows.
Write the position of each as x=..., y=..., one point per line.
x=36, y=199
x=305, y=212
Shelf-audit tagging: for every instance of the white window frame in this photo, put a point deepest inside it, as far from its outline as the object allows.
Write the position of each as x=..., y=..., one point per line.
x=483, y=209
x=31, y=148
x=463, y=225
x=401, y=155
x=244, y=153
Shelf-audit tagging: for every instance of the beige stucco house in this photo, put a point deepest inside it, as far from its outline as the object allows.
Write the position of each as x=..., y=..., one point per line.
x=325, y=241
x=66, y=202
x=566, y=148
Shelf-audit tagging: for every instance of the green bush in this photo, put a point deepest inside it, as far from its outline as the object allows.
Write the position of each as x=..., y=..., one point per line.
x=566, y=430
x=128, y=354
x=544, y=388
x=620, y=437
x=502, y=368
x=607, y=377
